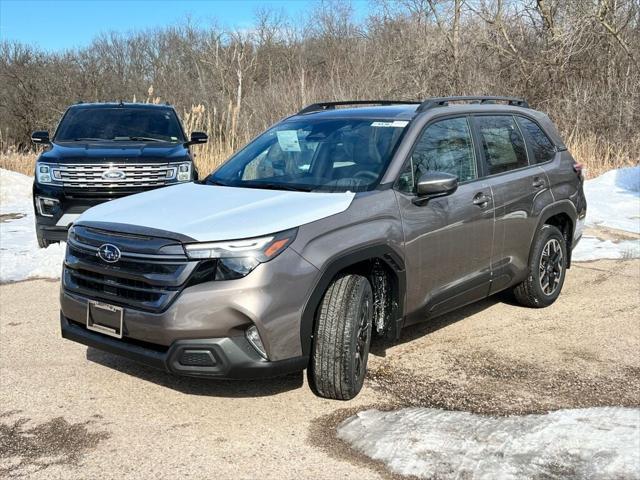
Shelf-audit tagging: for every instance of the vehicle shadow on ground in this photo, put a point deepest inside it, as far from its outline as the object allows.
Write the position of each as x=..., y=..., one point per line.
x=379, y=345
x=198, y=386
x=272, y=386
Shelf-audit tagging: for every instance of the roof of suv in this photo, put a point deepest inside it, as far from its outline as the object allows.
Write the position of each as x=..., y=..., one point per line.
x=403, y=110
x=400, y=112
x=121, y=104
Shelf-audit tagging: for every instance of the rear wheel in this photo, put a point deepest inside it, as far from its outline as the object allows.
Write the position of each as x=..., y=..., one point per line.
x=341, y=339
x=547, y=268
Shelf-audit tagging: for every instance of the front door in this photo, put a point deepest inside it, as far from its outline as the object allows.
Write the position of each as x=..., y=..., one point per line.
x=448, y=240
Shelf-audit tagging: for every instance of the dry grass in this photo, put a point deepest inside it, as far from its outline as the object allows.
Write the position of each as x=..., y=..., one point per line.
x=19, y=162
x=600, y=156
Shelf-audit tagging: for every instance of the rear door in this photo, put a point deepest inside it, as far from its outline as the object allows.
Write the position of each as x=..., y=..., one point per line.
x=516, y=183
x=448, y=240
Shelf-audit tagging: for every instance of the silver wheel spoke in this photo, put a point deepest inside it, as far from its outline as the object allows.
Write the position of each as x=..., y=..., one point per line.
x=550, y=266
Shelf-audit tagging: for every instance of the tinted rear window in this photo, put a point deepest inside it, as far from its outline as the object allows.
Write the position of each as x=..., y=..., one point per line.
x=540, y=145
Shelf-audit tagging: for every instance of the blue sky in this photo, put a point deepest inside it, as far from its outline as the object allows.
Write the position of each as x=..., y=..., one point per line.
x=61, y=24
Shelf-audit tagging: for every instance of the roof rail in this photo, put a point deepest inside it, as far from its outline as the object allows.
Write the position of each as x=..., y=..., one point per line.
x=316, y=107
x=444, y=101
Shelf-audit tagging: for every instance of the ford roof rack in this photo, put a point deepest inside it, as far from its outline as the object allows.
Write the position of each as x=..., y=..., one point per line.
x=444, y=101
x=316, y=107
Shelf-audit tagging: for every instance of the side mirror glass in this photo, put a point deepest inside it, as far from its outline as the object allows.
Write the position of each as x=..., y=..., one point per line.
x=198, y=137
x=40, y=137
x=436, y=184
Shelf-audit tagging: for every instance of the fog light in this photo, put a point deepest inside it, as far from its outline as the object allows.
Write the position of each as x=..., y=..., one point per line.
x=47, y=206
x=254, y=339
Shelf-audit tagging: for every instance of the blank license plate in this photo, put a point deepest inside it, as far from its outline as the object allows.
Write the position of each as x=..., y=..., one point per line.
x=105, y=318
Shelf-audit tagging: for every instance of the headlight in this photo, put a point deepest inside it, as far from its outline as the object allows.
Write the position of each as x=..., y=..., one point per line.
x=46, y=174
x=238, y=258
x=184, y=172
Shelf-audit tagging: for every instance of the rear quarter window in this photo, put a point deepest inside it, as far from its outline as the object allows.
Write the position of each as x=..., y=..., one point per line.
x=541, y=148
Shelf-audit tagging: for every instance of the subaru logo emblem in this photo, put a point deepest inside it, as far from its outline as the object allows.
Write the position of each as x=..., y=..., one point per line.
x=114, y=174
x=109, y=253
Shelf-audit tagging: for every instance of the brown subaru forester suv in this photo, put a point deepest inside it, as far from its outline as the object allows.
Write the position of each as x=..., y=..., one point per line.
x=345, y=220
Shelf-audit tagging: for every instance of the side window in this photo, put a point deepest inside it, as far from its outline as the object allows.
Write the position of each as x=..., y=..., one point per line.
x=540, y=145
x=444, y=146
x=502, y=143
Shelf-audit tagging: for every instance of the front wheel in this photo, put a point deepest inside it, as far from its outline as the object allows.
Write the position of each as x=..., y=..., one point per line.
x=547, y=268
x=341, y=339
x=42, y=242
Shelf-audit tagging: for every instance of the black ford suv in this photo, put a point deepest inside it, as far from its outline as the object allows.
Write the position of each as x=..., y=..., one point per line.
x=102, y=151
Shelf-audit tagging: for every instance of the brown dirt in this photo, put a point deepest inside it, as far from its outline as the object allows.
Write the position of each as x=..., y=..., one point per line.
x=134, y=422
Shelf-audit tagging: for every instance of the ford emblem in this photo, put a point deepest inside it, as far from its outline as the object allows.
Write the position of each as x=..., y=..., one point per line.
x=114, y=174
x=109, y=253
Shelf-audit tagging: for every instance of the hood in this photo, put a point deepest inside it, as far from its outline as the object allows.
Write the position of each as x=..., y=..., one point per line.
x=100, y=152
x=208, y=213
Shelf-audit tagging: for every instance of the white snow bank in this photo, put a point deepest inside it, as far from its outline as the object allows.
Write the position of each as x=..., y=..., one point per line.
x=601, y=443
x=20, y=256
x=613, y=200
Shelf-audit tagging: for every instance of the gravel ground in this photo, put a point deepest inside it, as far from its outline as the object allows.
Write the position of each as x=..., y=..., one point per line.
x=69, y=412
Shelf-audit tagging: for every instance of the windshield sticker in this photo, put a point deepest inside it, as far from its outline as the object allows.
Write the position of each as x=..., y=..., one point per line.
x=394, y=124
x=288, y=140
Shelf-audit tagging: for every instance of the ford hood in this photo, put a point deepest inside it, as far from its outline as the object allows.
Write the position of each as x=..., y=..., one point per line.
x=209, y=213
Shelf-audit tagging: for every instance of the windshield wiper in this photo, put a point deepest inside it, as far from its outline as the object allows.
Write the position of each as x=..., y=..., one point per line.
x=91, y=139
x=138, y=139
x=275, y=186
x=212, y=181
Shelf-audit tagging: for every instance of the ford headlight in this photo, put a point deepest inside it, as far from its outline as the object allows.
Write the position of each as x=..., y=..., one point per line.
x=45, y=174
x=184, y=172
x=237, y=258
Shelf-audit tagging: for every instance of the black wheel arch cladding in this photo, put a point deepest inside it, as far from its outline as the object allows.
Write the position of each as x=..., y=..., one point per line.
x=382, y=252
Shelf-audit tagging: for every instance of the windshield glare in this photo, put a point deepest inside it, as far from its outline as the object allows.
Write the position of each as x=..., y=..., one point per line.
x=322, y=155
x=120, y=124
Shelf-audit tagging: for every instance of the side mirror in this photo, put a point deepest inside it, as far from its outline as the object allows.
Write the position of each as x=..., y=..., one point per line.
x=40, y=137
x=198, y=137
x=435, y=184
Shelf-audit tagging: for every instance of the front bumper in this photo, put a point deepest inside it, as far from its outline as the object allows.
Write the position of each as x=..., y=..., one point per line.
x=225, y=358
x=271, y=298
x=54, y=225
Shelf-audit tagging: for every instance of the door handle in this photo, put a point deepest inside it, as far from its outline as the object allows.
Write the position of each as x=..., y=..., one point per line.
x=538, y=182
x=481, y=200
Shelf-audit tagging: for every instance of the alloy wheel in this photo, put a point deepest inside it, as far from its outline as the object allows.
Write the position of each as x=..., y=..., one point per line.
x=551, y=266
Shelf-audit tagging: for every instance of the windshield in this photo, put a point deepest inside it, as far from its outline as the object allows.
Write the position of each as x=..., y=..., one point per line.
x=120, y=124
x=334, y=155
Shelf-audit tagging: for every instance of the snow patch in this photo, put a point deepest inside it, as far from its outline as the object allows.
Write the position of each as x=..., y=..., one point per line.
x=20, y=256
x=601, y=443
x=613, y=200
x=592, y=248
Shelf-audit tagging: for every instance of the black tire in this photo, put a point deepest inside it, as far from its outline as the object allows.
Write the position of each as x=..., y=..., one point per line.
x=341, y=339
x=42, y=242
x=547, y=269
